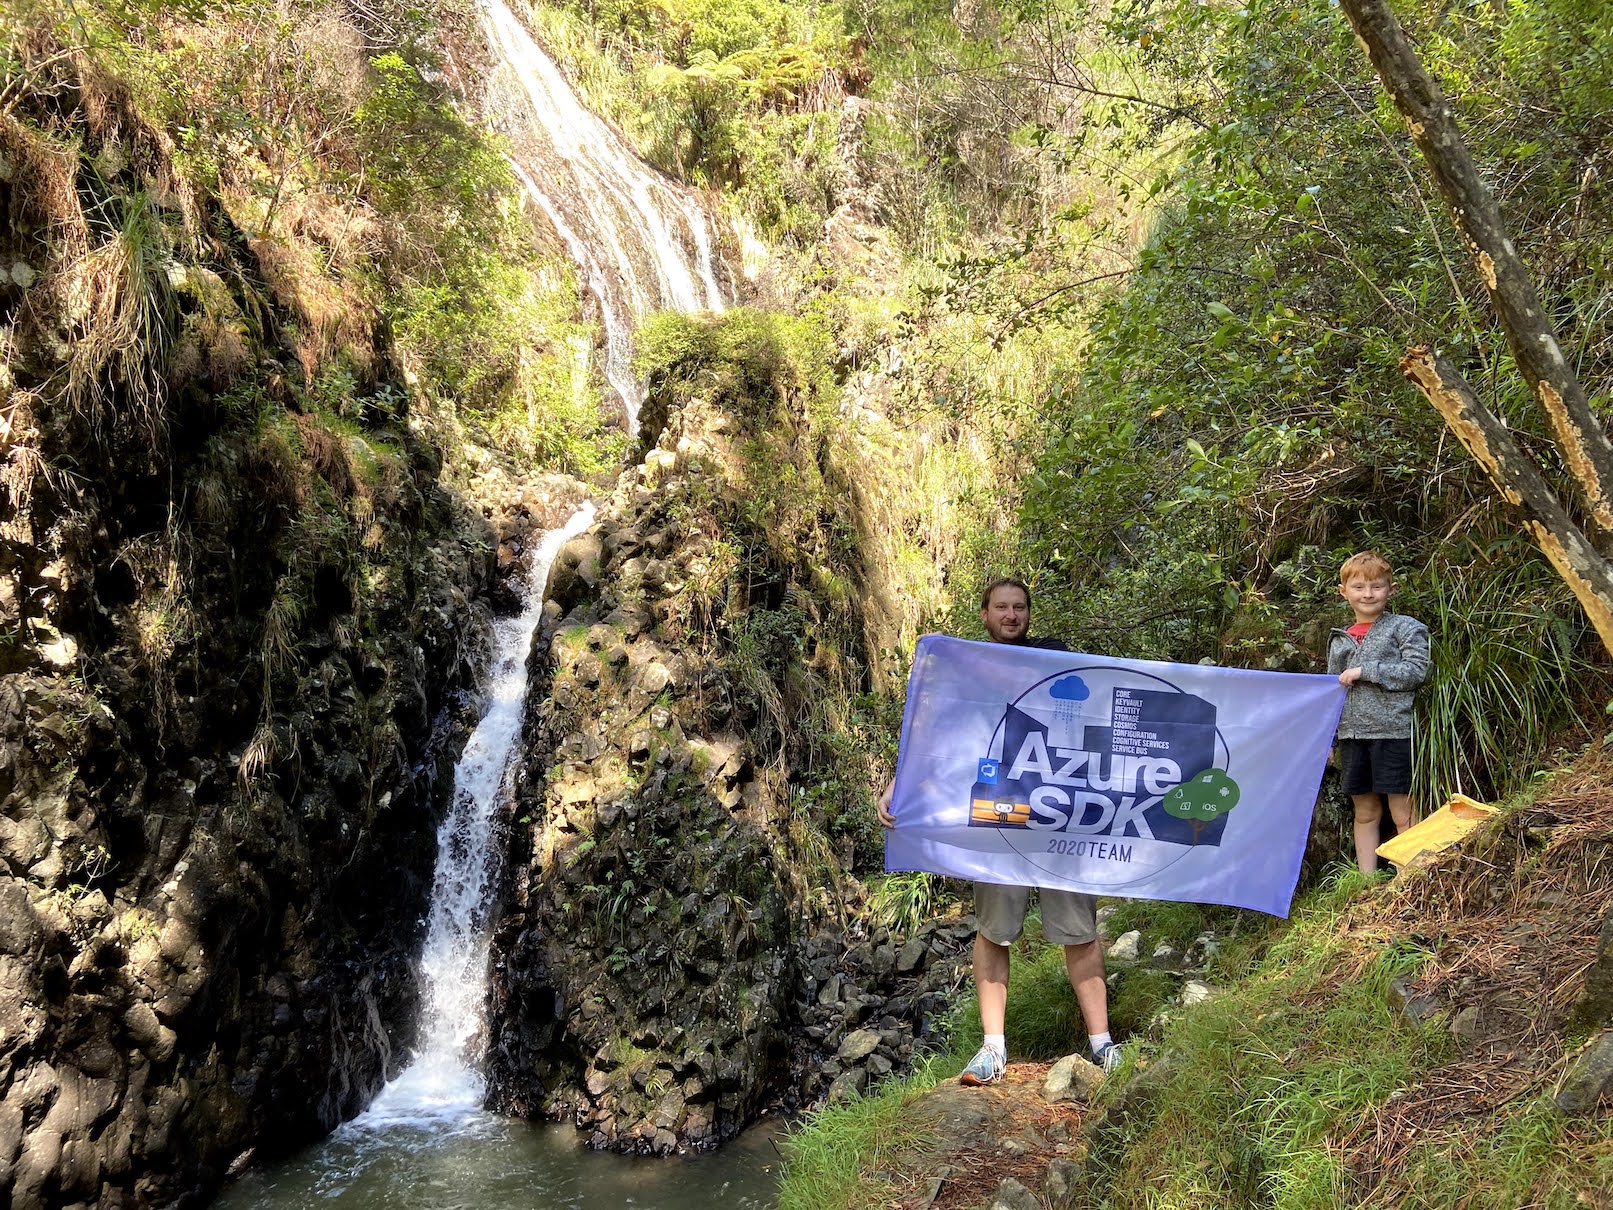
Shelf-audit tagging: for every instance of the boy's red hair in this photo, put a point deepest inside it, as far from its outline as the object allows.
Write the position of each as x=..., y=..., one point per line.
x=1368, y=565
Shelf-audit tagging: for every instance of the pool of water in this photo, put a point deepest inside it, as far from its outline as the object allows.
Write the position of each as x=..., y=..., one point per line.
x=483, y=1162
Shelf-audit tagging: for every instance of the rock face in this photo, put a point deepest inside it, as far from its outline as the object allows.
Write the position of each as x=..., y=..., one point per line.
x=869, y=1005
x=659, y=974
x=193, y=959
x=237, y=637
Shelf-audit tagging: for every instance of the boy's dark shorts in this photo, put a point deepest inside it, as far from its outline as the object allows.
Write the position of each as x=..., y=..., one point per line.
x=1375, y=766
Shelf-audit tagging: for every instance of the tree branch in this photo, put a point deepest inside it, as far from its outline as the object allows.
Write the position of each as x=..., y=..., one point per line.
x=1519, y=479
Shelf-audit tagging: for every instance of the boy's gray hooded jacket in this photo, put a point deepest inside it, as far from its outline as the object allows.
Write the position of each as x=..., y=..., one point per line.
x=1393, y=658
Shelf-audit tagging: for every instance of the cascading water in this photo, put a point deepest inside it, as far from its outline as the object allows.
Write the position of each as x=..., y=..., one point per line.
x=444, y=1080
x=426, y=1141
x=641, y=243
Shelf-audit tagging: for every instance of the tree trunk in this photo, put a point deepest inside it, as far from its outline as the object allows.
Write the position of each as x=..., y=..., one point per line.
x=1586, y=450
x=1521, y=482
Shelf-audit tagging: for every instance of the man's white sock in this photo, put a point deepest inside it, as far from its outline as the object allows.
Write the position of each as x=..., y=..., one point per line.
x=1099, y=1041
x=998, y=1045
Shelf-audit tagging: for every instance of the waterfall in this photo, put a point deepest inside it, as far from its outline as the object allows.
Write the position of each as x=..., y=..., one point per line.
x=641, y=243
x=444, y=1081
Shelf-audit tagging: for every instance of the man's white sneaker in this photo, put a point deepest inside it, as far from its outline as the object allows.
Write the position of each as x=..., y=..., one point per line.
x=985, y=1068
x=1107, y=1056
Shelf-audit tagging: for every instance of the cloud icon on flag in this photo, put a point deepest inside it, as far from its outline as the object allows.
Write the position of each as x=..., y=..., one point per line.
x=1070, y=689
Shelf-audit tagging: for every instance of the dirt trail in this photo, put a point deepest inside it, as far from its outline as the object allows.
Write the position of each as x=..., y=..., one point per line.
x=974, y=1137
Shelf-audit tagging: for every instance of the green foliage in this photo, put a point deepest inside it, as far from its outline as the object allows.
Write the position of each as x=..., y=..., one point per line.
x=747, y=360
x=903, y=901
x=1274, y=1080
x=1525, y=1162
x=1218, y=240
x=1494, y=707
x=416, y=147
x=488, y=322
x=368, y=191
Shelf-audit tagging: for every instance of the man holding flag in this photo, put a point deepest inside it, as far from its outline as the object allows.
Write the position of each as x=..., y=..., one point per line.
x=1069, y=918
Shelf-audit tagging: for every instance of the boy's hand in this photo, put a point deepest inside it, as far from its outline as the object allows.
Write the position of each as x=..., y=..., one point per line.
x=884, y=807
x=1349, y=676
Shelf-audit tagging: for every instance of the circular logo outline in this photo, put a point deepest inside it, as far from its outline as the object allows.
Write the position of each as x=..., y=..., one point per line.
x=1008, y=834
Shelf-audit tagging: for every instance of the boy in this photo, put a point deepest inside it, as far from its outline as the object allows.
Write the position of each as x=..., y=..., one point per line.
x=1382, y=659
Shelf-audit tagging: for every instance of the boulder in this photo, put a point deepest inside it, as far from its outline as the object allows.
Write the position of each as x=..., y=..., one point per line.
x=1594, y=1009
x=858, y=1046
x=1072, y=1078
x=1012, y=1194
x=1125, y=947
x=1589, y=1078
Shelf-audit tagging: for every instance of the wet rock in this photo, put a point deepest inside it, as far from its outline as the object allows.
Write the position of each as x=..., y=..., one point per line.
x=644, y=909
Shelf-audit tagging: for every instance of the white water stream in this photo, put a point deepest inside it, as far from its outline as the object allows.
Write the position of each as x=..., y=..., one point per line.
x=641, y=243
x=444, y=1081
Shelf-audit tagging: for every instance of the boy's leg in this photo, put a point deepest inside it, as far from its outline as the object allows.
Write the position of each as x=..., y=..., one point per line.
x=1368, y=816
x=1400, y=810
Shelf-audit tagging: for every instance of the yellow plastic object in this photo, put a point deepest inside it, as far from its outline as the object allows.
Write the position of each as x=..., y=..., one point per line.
x=1459, y=816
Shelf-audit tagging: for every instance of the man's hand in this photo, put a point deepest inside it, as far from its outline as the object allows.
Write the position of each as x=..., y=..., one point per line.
x=884, y=807
x=1349, y=676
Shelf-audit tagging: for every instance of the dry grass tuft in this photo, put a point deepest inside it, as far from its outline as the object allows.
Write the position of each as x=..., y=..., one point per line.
x=328, y=453
x=42, y=197
x=162, y=622
x=350, y=232
x=123, y=314
x=336, y=56
x=333, y=317
x=126, y=141
x=102, y=292
x=273, y=470
x=22, y=468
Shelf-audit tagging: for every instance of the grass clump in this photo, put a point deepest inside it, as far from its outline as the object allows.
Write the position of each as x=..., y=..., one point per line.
x=829, y=1161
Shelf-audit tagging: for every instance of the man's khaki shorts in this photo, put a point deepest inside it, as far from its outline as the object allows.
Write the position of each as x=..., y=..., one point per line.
x=1068, y=917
